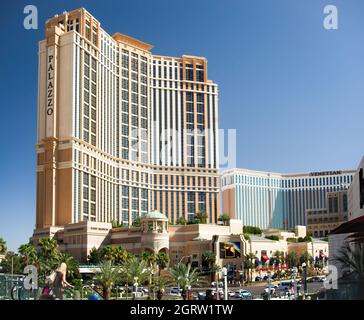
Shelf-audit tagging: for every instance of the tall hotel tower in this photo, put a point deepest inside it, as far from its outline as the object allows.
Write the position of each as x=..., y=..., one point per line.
x=121, y=131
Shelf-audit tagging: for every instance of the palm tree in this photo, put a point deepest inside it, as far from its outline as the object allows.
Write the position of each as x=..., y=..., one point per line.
x=249, y=265
x=134, y=269
x=160, y=284
x=162, y=261
x=292, y=259
x=108, y=253
x=201, y=217
x=108, y=275
x=351, y=259
x=120, y=255
x=208, y=260
x=224, y=218
x=11, y=263
x=184, y=277
x=307, y=258
x=48, y=255
x=94, y=256
x=3, y=247
x=28, y=254
x=72, y=265
x=150, y=258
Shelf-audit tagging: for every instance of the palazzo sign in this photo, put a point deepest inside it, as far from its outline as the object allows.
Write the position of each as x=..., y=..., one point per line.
x=50, y=82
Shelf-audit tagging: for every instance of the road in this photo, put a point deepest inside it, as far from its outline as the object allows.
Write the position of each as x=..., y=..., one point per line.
x=257, y=289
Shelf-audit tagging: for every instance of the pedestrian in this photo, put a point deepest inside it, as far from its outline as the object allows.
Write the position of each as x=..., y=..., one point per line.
x=60, y=281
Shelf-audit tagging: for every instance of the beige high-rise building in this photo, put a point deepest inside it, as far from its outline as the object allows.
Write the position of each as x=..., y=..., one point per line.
x=121, y=131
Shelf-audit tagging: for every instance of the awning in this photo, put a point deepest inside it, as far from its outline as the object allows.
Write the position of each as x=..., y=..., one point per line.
x=356, y=225
x=265, y=257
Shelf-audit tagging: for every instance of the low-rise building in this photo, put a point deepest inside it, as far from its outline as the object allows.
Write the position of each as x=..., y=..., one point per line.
x=184, y=243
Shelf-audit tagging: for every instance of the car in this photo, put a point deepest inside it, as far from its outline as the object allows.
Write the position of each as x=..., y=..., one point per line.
x=174, y=291
x=243, y=295
x=231, y=293
x=220, y=284
x=283, y=285
x=257, y=278
x=201, y=295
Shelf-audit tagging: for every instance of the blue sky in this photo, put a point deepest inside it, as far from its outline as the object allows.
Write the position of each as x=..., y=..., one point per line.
x=293, y=90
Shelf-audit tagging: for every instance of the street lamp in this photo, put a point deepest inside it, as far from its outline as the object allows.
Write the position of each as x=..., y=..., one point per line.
x=224, y=273
x=295, y=281
x=136, y=287
x=304, y=274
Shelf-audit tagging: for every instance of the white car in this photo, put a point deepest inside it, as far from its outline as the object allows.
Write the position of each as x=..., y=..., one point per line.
x=174, y=291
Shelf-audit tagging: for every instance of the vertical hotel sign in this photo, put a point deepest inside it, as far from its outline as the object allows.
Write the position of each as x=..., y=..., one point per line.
x=50, y=100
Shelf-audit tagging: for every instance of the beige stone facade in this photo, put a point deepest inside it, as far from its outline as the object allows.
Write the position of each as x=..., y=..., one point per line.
x=121, y=131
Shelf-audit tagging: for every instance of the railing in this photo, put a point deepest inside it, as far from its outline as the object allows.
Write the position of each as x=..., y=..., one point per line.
x=11, y=287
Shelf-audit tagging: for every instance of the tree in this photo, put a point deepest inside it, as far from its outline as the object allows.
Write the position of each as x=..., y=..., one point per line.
x=120, y=255
x=252, y=230
x=160, y=284
x=201, y=217
x=94, y=256
x=11, y=263
x=137, y=222
x=162, y=261
x=149, y=257
x=134, y=269
x=274, y=238
x=185, y=277
x=72, y=265
x=224, y=218
x=351, y=259
x=292, y=259
x=208, y=261
x=48, y=248
x=3, y=247
x=181, y=221
x=249, y=265
x=47, y=256
x=28, y=254
x=307, y=258
x=108, y=253
x=108, y=275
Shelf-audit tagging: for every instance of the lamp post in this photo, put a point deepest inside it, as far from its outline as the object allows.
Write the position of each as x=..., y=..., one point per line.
x=304, y=275
x=224, y=273
x=294, y=281
x=135, y=287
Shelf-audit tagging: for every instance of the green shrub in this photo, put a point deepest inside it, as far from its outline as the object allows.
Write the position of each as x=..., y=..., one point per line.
x=252, y=230
x=275, y=238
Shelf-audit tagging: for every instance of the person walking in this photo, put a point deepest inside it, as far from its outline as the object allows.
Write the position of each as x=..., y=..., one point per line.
x=60, y=281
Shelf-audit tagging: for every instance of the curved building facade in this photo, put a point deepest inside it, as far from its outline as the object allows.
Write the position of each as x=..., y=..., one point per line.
x=274, y=200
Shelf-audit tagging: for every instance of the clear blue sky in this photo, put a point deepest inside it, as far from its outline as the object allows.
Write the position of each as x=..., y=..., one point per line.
x=293, y=90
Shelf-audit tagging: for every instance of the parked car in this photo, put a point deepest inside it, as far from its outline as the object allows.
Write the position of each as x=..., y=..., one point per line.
x=257, y=278
x=243, y=294
x=213, y=284
x=283, y=285
x=174, y=291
